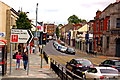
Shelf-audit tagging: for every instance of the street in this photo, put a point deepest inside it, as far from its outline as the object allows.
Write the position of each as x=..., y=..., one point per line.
x=63, y=58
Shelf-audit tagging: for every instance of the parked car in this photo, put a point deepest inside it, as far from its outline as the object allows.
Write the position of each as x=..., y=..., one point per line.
x=101, y=73
x=70, y=51
x=78, y=66
x=114, y=63
x=63, y=48
x=62, y=43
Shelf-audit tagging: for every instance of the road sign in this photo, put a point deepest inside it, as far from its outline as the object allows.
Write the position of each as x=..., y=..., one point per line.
x=2, y=34
x=21, y=36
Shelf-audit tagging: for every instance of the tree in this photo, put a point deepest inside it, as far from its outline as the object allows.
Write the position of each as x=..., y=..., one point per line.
x=74, y=19
x=57, y=32
x=23, y=22
x=60, y=25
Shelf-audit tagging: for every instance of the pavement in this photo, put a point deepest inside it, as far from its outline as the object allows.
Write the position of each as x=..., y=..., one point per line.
x=83, y=53
x=36, y=70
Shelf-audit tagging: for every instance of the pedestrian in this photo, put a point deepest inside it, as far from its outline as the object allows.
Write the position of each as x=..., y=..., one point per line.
x=19, y=47
x=33, y=49
x=25, y=59
x=18, y=57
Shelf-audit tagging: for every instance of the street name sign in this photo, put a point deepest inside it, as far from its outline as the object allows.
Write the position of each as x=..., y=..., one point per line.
x=21, y=36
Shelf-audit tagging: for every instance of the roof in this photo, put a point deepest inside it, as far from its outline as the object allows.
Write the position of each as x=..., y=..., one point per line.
x=4, y=4
x=112, y=4
x=83, y=28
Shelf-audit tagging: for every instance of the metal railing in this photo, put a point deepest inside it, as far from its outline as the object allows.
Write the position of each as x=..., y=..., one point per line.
x=60, y=70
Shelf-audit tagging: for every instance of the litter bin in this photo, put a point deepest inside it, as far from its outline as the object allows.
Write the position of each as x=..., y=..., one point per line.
x=3, y=57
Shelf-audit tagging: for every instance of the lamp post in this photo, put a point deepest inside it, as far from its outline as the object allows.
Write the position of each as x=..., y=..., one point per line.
x=36, y=15
x=36, y=42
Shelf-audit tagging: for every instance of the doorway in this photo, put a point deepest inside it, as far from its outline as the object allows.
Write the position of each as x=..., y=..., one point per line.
x=117, y=48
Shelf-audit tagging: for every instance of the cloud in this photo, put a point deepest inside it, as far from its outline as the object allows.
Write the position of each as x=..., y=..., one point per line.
x=58, y=11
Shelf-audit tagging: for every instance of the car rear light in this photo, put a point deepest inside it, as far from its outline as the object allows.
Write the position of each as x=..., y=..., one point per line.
x=113, y=67
x=101, y=77
x=92, y=66
x=78, y=65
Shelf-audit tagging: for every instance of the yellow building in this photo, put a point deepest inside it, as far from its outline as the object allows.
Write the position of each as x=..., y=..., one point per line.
x=8, y=17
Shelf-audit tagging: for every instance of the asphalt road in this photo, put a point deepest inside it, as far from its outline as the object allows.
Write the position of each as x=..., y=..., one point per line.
x=62, y=58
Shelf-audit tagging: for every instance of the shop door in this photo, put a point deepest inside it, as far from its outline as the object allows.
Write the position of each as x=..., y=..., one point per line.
x=117, y=48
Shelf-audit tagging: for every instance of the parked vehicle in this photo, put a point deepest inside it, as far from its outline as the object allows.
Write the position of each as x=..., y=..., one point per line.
x=63, y=48
x=114, y=63
x=57, y=45
x=62, y=43
x=101, y=73
x=78, y=66
x=70, y=51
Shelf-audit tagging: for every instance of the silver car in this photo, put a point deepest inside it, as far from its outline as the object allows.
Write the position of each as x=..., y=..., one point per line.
x=101, y=73
x=63, y=48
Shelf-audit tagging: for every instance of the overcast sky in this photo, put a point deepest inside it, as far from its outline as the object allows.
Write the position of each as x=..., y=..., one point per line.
x=58, y=11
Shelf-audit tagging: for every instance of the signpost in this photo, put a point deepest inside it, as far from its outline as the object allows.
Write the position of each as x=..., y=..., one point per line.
x=20, y=36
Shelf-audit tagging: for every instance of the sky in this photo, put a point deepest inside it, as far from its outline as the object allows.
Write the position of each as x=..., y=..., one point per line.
x=58, y=11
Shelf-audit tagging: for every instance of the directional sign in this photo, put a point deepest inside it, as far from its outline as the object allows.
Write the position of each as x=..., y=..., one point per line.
x=21, y=36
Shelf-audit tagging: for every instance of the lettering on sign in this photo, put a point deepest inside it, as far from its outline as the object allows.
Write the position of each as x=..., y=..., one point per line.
x=21, y=36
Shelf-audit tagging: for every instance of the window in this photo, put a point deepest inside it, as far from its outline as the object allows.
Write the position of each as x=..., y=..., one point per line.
x=101, y=25
x=92, y=70
x=118, y=23
x=108, y=42
x=117, y=63
x=108, y=71
x=96, y=26
x=108, y=24
x=106, y=62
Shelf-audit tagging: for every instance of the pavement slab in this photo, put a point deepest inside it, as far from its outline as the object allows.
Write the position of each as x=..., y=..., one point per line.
x=35, y=70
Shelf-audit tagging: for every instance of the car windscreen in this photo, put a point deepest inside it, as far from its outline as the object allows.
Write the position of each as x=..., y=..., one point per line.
x=117, y=63
x=108, y=71
x=70, y=49
x=84, y=62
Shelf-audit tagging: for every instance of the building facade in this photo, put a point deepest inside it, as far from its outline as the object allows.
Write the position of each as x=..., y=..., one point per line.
x=8, y=17
x=50, y=29
x=107, y=30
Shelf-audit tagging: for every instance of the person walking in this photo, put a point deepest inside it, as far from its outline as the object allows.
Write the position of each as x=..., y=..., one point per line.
x=18, y=57
x=25, y=59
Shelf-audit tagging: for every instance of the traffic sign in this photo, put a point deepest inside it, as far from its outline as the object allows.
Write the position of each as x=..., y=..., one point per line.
x=21, y=36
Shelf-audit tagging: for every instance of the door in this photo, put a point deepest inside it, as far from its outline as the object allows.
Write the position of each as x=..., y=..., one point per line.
x=117, y=48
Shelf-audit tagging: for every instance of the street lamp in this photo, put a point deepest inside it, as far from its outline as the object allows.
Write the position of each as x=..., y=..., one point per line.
x=36, y=43
x=36, y=15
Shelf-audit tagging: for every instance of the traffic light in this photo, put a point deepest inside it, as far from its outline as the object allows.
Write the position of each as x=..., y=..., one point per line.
x=44, y=38
x=40, y=38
